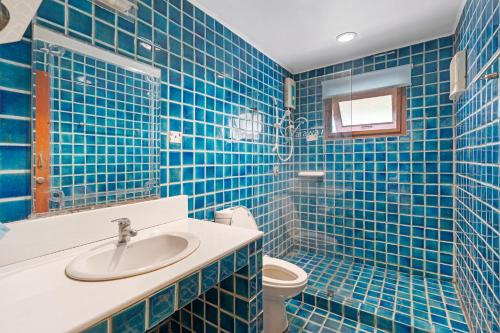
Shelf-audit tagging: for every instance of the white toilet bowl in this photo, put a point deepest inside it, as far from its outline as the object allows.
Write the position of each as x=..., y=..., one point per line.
x=281, y=280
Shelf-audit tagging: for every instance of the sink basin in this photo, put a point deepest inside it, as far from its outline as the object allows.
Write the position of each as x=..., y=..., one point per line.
x=111, y=261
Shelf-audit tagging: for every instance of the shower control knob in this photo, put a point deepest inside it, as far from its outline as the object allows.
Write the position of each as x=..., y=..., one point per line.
x=40, y=180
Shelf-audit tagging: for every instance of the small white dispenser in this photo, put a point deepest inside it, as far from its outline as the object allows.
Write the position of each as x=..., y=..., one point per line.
x=458, y=75
x=290, y=96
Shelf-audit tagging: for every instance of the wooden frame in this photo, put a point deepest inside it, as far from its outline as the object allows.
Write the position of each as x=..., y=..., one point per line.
x=42, y=139
x=395, y=128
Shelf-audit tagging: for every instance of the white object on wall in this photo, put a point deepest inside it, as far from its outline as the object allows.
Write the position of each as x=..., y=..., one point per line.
x=458, y=74
x=126, y=7
x=175, y=137
x=21, y=13
x=290, y=97
x=246, y=126
x=311, y=174
x=393, y=77
x=55, y=38
x=311, y=137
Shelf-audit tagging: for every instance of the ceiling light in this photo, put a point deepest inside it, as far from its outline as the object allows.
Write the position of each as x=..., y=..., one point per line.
x=346, y=37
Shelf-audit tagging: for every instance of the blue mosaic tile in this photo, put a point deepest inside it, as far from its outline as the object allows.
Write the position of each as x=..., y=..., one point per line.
x=15, y=131
x=209, y=276
x=14, y=210
x=79, y=22
x=132, y=319
x=306, y=318
x=52, y=11
x=15, y=185
x=379, y=297
x=161, y=305
x=188, y=289
x=104, y=33
x=15, y=77
x=200, y=105
x=14, y=104
x=400, y=216
x=226, y=301
x=241, y=258
x=219, y=309
x=242, y=287
x=226, y=266
x=19, y=52
x=101, y=327
x=477, y=163
x=196, y=310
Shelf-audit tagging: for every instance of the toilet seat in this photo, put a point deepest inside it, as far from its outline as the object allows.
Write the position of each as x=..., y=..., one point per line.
x=282, y=273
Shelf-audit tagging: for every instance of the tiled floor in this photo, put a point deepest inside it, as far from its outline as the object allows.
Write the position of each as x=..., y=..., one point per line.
x=307, y=318
x=375, y=296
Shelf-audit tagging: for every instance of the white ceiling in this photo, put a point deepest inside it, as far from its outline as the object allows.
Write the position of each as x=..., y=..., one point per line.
x=300, y=34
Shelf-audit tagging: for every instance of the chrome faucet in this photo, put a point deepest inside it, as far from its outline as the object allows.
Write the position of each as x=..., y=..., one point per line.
x=125, y=232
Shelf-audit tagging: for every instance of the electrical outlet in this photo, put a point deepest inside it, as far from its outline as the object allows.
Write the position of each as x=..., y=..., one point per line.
x=175, y=137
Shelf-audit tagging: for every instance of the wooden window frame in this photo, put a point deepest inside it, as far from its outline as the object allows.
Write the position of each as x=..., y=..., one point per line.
x=395, y=128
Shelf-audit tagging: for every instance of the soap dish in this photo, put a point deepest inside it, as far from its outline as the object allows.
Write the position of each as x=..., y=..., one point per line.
x=311, y=174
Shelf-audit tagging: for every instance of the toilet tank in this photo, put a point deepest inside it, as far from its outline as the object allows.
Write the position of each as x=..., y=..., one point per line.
x=236, y=216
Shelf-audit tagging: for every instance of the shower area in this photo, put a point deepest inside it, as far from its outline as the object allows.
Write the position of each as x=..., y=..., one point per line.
x=372, y=215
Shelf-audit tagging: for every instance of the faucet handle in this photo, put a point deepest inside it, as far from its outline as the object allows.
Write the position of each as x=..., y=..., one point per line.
x=122, y=221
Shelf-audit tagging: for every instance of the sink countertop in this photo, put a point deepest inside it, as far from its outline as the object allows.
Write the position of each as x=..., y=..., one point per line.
x=36, y=295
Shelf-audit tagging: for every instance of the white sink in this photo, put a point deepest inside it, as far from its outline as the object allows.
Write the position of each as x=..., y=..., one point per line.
x=112, y=261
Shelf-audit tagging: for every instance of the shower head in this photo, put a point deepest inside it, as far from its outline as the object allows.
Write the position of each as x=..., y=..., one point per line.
x=4, y=16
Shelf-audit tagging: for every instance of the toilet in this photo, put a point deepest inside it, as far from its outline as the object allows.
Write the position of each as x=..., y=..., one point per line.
x=281, y=280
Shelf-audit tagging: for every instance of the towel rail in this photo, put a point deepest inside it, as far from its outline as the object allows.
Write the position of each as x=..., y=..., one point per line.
x=481, y=75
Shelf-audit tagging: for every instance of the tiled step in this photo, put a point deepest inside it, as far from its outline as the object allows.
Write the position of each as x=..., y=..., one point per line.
x=380, y=298
x=305, y=318
x=375, y=317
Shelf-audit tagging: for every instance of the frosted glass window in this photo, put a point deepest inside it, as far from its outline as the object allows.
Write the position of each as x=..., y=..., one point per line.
x=366, y=111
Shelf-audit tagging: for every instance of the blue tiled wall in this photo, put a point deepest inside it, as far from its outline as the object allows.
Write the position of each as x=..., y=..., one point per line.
x=209, y=76
x=384, y=201
x=15, y=137
x=477, y=176
x=104, y=130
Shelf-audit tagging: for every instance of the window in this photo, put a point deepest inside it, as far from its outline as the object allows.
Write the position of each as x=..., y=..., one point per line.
x=376, y=113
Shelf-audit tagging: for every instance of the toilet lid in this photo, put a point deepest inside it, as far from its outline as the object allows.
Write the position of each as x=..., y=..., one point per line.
x=277, y=272
x=241, y=217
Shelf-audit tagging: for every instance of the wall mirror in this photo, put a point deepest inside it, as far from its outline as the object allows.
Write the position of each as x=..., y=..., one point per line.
x=96, y=126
